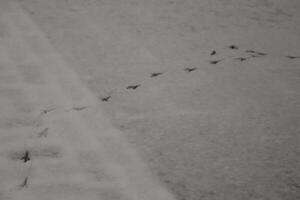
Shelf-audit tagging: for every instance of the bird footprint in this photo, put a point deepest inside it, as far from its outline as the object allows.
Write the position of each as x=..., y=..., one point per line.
x=234, y=47
x=43, y=133
x=26, y=156
x=133, y=87
x=105, y=99
x=24, y=184
x=215, y=61
x=242, y=58
x=79, y=108
x=293, y=57
x=256, y=53
x=190, y=69
x=45, y=111
x=156, y=74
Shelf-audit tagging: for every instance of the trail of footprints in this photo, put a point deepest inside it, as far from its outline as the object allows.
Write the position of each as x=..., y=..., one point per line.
x=45, y=111
x=249, y=55
x=133, y=87
x=27, y=155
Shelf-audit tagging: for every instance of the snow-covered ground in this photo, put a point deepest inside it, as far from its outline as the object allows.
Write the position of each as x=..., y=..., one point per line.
x=150, y=99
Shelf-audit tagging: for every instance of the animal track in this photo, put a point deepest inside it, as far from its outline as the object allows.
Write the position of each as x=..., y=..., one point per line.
x=46, y=152
x=250, y=54
x=261, y=54
x=36, y=152
x=234, y=47
x=215, y=61
x=190, y=69
x=105, y=99
x=293, y=57
x=45, y=111
x=242, y=58
x=79, y=108
x=43, y=133
x=256, y=53
x=250, y=51
x=26, y=156
x=156, y=74
x=24, y=183
x=133, y=87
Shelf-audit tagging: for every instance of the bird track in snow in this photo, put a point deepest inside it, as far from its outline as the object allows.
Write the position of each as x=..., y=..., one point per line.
x=105, y=99
x=190, y=69
x=156, y=74
x=133, y=87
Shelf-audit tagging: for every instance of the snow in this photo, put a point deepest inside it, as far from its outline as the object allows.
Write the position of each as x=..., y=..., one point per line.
x=225, y=130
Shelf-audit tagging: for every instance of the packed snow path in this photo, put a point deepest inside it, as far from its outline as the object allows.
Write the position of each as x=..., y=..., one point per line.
x=55, y=141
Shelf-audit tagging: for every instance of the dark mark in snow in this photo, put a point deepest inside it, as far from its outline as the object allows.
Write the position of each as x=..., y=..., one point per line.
x=296, y=185
x=47, y=110
x=156, y=74
x=242, y=59
x=133, y=87
x=261, y=54
x=26, y=156
x=213, y=53
x=105, y=99
x=190, y=69
x=250, y=51
x=293, y=57
x=25, y=183
x=233, y=47
x=256, y=53
x=47, y=152
x=79, y=108
x=215, y=62
x=43, y=133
